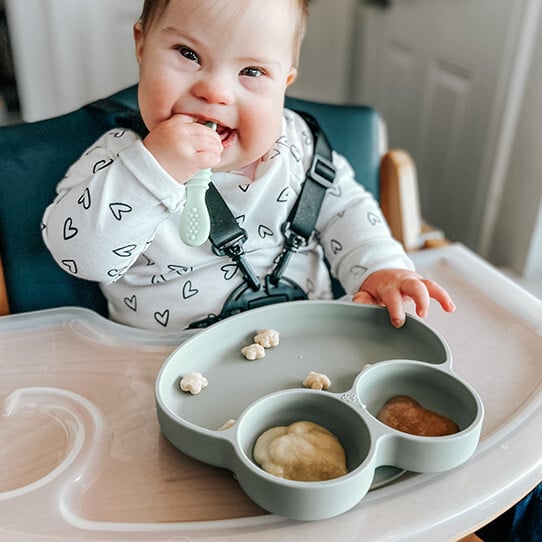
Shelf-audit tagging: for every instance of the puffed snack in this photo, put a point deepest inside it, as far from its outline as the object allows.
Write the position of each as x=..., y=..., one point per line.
x=317, y=381
x=193, y=383
x=226, y=425
x=268, y=338
x=253, y=351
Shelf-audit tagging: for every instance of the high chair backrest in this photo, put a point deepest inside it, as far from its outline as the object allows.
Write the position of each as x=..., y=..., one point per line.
x=35, y=156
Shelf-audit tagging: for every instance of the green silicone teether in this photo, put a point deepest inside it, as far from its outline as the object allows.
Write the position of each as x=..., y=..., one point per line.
x=195, y=223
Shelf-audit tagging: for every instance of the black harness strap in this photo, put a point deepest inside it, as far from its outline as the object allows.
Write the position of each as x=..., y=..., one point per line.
x=301, y=222
x=227, y=237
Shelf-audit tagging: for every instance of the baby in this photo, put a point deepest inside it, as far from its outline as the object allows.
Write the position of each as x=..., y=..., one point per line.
x=116, y=217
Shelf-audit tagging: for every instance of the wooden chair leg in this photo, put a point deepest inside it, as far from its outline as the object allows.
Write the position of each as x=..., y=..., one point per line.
x=4, y=305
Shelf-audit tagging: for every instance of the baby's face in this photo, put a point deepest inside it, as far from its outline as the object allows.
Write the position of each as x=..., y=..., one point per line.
x=228, y=61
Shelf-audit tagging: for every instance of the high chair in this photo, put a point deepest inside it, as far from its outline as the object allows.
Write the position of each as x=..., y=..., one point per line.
x=35, y=156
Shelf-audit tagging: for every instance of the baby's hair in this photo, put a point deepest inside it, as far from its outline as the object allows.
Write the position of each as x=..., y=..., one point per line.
x=153, y=10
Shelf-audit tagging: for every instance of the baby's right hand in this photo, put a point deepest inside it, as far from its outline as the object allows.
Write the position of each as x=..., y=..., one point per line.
x=183, y=147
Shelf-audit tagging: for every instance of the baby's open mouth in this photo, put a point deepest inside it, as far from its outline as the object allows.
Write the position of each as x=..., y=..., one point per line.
x=227, y=135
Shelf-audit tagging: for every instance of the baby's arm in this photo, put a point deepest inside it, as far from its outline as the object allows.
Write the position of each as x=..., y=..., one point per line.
x=108, y=208
x=361, y=250
x=392, y=287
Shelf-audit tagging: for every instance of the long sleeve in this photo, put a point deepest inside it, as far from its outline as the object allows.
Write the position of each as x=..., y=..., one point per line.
x=109, y=207
x=354, y=234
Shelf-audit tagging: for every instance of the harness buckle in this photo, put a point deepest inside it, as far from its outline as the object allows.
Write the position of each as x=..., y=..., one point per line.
x=234, y=250
x=243, y=298
x=322, y=171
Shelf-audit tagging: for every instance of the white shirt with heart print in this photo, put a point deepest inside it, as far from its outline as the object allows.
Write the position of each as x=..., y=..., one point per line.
x=116, y=219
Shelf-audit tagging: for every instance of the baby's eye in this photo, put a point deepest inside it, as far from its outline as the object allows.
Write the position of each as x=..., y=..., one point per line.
x=188, y=53
x=252, y=71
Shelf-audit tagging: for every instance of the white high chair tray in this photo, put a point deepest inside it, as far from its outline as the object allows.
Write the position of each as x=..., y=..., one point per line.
x=81, y=456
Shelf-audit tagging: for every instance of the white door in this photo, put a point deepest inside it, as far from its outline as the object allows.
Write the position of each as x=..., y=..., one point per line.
x=442, y=74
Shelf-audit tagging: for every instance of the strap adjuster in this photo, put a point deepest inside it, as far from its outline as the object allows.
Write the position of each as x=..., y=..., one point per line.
x=232, y=248
x=322, y=171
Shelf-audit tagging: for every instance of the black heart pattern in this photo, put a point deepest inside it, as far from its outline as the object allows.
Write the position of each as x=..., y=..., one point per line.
x=336, y=191
x=70, y=265
x=70, y=231
x=131, y=302
x=119, y=208
x=336, y=246
x=294, y=151
x=188, y=290
x=358, y=271
x=373, y=218
x=114, y=273
x=90, y=151
x=158, y=279
x=282, y=140
x=179, y=269
x=229, y=270
x=84, y=200
x=283, y=196
x=126, y=251
x=264, y=231
x=162, y=317
x=101, y=164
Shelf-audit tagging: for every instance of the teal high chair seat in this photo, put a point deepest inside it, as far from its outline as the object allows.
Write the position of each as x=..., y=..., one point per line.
x=35, y=156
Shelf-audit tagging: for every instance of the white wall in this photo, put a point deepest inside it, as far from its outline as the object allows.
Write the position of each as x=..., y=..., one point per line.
x=326, y=54
x=517, y=237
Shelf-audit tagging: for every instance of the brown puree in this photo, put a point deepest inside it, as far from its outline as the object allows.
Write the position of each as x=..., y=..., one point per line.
x=407, y=415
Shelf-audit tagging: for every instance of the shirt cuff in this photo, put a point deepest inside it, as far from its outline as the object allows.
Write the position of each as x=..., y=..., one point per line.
x=144, y=167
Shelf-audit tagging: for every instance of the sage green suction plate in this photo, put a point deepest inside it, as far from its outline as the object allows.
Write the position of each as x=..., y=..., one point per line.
x=367, y=360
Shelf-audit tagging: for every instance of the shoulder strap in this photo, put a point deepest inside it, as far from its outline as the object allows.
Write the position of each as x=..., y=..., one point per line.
x=301, y=222
x=227, y=237
x=319, y=177
x=121, y=114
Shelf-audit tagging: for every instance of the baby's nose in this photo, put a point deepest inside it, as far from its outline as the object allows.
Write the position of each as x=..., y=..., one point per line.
x=213, y=89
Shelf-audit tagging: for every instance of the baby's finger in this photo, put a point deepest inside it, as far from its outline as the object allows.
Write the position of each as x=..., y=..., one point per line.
x=393, y=301
x=439, y=294
x=364, y=297
x=418, y=292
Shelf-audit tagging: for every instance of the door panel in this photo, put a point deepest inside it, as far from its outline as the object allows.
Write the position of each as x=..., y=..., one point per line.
x=437, y=70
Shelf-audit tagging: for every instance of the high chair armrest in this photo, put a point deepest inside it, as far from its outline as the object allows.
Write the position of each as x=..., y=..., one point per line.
x=400, y=202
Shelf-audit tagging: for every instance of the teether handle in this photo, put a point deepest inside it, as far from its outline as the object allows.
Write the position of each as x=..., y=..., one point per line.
x=195, y=223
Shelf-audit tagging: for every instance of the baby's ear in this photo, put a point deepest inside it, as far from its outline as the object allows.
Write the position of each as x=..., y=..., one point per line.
x=138, y=40
x=291, y=76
